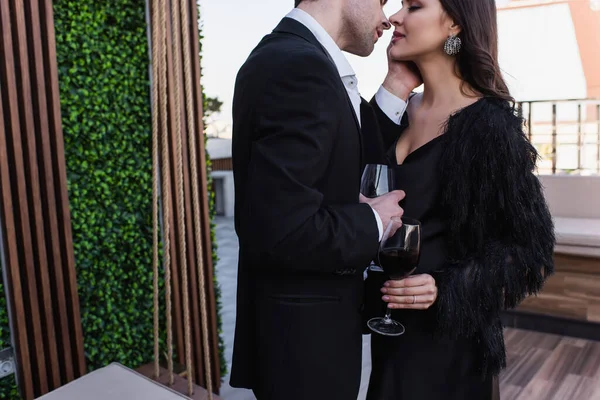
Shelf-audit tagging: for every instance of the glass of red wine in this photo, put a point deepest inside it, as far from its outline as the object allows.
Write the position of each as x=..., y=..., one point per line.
x=398, y=255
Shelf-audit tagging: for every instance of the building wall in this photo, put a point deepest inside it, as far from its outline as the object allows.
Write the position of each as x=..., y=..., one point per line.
x=586, y=19
x=538, y=52
x=224, y=192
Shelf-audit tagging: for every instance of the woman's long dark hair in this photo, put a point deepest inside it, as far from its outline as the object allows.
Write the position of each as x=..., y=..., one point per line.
x=477, y=60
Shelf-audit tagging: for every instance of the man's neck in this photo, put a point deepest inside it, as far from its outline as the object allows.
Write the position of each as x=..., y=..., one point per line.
x=328, y=15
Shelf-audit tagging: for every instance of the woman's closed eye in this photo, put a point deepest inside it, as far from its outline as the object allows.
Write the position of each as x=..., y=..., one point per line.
x=410, y=5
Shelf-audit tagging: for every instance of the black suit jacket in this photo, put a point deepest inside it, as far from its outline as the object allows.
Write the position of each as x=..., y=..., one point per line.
x=304, y=238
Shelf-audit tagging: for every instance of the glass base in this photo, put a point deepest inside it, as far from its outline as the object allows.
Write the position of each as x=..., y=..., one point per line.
x=386, y=326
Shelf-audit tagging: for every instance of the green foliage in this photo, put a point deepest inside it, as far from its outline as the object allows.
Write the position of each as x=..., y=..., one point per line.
x=102, y=50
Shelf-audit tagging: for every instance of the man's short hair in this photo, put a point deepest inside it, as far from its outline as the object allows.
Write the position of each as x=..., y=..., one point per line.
x=297, y=2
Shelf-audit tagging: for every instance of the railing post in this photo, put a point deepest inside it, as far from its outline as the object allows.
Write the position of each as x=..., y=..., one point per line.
x=554, y=134
x=598, y=138
x=579, y=137
x=529, y=128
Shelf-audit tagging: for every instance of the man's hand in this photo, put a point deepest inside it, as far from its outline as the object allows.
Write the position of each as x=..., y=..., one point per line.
x=402, y=78
x=386, y=206
x=417, y=292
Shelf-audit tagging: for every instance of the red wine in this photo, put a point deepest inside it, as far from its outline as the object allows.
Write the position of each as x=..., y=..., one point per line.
x=398, y=263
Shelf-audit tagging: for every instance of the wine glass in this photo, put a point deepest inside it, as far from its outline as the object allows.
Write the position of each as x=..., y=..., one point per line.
x=377, y=180
x=399, y=252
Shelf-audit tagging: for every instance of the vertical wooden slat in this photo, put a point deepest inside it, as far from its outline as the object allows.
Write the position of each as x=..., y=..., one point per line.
x=205, y=217
x=176, y=246
x=22, y=207
x=11, y=258
x=62, y=199
x=187, y=248
x=48, y=189
x=37, y=221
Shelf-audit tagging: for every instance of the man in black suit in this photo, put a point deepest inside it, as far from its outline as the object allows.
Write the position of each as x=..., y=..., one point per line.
x=305, y=239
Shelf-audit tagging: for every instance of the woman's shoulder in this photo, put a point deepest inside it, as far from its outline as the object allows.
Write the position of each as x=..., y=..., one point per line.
x=489, y=130
x=499, y=113
x=487, y=119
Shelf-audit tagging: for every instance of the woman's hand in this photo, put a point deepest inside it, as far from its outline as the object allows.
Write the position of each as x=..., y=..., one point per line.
x=402, y=77
x=417, y=292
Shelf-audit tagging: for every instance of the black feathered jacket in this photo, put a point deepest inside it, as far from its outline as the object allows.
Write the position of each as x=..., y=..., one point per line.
x=500, y=232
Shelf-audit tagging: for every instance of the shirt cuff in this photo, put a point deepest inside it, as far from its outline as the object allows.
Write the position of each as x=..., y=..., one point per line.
x=391, y=105
x=379, y=223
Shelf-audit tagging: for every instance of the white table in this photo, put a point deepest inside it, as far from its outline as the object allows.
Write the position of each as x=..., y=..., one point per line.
x=113, y=382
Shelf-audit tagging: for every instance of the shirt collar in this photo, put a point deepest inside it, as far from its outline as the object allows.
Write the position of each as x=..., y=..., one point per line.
x=343, y=66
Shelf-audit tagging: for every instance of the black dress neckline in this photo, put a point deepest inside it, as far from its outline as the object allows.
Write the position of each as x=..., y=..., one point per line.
x=413, y=153
x=405, y=123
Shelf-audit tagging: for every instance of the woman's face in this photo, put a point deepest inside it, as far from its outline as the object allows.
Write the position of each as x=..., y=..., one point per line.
x=421, y=28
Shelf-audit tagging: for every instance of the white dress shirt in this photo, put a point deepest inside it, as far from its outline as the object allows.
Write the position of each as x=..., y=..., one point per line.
x=391, y=105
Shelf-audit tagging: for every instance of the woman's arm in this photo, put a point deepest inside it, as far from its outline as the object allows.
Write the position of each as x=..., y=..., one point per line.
x=502, y=237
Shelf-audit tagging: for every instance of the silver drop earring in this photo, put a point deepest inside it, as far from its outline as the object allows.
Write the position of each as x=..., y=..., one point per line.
x=452, y=45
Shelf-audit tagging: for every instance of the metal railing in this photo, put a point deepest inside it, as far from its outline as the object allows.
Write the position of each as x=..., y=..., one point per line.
x=566, y=133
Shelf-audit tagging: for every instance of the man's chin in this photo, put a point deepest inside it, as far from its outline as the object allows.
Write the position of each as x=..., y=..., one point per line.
x=364, y=51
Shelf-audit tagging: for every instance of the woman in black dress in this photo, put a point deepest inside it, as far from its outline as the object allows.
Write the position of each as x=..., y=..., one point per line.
x=467, y=170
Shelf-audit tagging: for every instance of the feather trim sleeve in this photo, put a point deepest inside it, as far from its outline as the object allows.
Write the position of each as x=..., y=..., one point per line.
x=501, y=237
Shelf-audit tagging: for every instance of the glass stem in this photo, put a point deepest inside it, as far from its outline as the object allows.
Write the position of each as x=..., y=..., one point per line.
x=388, y=316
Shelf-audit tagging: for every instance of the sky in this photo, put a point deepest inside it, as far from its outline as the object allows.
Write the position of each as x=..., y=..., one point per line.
x=528, y=57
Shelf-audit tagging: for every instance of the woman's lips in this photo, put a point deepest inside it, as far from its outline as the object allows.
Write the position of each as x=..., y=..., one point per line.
x=397, y=36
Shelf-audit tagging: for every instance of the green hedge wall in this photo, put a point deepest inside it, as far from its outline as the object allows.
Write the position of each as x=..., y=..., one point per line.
x=103, y=62
x=102, y=52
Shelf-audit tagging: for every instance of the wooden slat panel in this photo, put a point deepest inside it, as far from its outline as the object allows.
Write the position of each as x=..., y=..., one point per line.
x=205, y=217
x=62, y=199
x=191, y=262
x=37, y=222
x=53, y=245
x=21, y=208
x=36, y=229
x=224, y=164
x=175, y=215
x=11, y=256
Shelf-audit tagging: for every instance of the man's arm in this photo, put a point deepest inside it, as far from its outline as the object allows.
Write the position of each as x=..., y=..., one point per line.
x=389, y=110
x=392, y=98
x=285, y=222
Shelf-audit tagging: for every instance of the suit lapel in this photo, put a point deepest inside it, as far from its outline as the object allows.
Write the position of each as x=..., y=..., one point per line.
x=357, y=124
x=372, y=143
x=293, y=27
